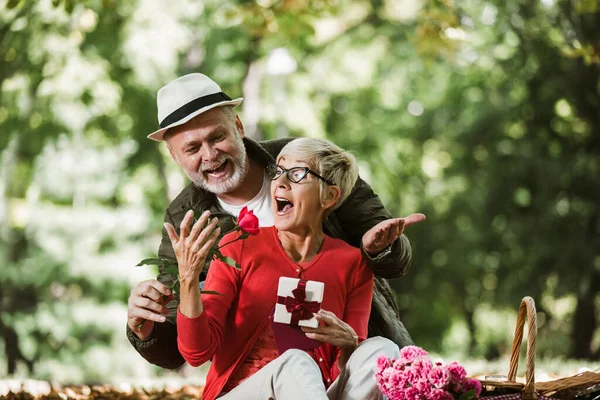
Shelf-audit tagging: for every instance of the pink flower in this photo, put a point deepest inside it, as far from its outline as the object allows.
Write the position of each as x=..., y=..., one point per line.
x=383, y=387
x=439, y=394
x=398, y=379
x=412, y=393
x=396, y=394
x=422, y=366
x=384, y=378
x=470, y=384
x=457, y=373
x=382, y=363
x=424, y=387
x=248, y=222
x=399, y=365
x=439, y=376
x=409, y=353
x=412, y=375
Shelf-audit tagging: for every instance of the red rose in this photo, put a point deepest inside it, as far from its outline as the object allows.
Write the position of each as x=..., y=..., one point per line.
x=248, y=222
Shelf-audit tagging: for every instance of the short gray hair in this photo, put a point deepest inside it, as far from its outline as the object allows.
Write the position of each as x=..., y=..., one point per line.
x=328, y=160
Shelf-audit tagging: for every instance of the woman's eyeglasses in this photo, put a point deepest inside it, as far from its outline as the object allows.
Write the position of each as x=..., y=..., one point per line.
x=295, y=174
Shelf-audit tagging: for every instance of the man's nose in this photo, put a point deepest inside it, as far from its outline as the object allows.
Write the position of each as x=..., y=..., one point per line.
x=209, y=153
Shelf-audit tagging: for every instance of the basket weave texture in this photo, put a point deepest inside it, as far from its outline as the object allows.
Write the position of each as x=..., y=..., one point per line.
x=561, y=389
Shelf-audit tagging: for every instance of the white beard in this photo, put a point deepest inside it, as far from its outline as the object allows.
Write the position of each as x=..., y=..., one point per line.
x=240, y=170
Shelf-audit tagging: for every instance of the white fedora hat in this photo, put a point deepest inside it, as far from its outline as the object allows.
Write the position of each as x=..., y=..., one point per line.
x=185, y=98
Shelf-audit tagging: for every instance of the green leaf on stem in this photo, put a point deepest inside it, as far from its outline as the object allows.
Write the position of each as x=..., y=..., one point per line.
x=162, y=262
x=172, y=270
x=467, y=395
x=210, y=292
x=230, y=261
x=175, y=286
x=197, y=215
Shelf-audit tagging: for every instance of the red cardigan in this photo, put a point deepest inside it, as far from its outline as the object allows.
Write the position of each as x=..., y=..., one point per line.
x=230, y=324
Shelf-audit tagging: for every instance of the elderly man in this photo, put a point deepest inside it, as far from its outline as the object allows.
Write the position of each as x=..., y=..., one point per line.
x=205, y=137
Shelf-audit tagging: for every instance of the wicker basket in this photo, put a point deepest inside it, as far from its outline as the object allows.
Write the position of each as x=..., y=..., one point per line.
x=563, y=389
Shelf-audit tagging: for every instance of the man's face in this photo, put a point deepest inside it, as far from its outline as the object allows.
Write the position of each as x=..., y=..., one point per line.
x=210, y=150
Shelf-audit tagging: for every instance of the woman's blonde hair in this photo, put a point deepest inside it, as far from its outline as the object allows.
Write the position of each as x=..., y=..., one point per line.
x=328, y=160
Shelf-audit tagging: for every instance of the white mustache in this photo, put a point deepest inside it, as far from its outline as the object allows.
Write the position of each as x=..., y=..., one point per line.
x=214, y=164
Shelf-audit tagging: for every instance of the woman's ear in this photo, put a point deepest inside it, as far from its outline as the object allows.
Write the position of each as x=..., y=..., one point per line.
x=331, y=196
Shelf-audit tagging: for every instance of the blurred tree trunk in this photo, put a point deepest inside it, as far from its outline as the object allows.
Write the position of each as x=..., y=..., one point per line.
x=585, y=320
x=251, y=90
x=469, y=317
x=15, y=242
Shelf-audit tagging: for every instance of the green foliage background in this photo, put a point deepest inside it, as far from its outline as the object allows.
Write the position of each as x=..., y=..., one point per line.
x=484, y=115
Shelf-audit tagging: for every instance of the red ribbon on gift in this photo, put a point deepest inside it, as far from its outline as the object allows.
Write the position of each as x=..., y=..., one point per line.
x=297, y=305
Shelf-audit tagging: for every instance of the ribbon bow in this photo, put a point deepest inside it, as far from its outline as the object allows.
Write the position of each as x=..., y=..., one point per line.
x=297, y=305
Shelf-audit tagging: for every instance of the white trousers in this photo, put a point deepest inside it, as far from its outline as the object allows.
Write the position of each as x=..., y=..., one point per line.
x=296, y=376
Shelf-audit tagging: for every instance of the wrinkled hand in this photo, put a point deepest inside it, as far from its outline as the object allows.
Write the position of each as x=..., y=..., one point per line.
x=146, y=305
x=333, y=331
x=384, y=233
x=192, y=246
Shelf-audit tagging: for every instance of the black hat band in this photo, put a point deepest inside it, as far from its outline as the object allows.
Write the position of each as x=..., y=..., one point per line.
x=192, y=107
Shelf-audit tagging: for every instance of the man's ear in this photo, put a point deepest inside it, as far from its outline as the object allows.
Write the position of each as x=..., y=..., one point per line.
x=239, y=126
x=332, y=194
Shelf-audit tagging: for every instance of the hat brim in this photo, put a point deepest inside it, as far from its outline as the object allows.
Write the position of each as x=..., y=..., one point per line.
x=160, y=134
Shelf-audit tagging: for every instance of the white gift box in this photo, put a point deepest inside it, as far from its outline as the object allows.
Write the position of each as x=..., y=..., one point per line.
x=286, y=298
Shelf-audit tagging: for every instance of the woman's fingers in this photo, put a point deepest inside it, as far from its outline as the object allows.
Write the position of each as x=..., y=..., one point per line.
x=184, y=227
x=211, y=240
x=204, y=235
x=327, y=317
x=172, y=233
x=198, y=226
x=318, y=336
x=339, y=336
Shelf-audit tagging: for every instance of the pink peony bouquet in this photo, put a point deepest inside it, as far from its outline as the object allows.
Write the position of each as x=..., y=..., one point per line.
x=413, y=377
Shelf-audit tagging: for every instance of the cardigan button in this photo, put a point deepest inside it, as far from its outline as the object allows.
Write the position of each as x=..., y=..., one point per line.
x=298, y=270
x=320, y=360
x=328, y=380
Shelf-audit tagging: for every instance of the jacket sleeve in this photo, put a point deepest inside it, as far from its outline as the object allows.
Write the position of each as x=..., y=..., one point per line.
x=361, y=211
x=160, y=348
x=200, y=337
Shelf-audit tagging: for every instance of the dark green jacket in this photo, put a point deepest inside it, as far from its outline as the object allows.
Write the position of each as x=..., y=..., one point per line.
x=360, y=212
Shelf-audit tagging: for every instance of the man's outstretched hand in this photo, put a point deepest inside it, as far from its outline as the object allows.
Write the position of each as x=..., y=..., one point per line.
x=384, y=233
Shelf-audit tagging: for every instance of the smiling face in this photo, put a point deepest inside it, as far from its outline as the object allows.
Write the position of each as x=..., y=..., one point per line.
x=297, y=206
x=210, y=150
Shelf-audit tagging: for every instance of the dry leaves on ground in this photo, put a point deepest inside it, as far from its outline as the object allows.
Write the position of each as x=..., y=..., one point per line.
x=106, y=393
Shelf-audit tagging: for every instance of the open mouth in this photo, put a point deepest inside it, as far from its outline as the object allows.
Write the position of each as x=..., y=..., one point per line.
x=217, y=170
x=284, y=206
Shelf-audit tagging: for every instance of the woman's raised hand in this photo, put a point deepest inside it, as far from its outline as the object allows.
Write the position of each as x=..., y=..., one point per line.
x=192, y=246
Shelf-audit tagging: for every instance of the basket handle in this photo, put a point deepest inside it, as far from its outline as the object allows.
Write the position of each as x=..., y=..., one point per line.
x=527, y=308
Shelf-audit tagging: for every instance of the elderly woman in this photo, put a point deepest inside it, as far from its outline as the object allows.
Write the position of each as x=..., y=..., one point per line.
x=310, y=179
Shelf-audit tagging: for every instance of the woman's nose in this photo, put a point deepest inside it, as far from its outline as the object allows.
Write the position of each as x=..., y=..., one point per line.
x=283, y=181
